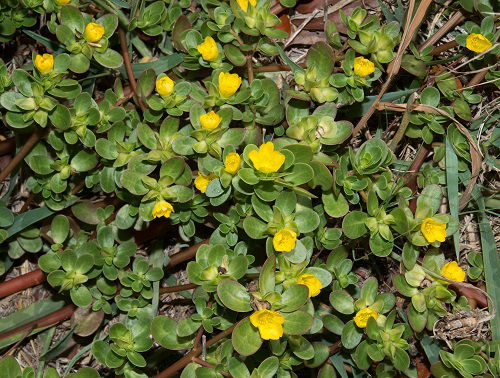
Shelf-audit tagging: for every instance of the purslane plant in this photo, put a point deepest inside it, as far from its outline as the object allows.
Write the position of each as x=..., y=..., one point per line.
x=263, y=176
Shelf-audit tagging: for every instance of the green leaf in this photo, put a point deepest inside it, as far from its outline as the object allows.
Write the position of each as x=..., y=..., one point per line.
x=297, y=323
x=234, y=296
x=163, y=331
x=267, y=276
x=245, y=338
x=353, y=224
x=307, y=220
x=335, y=206
x=83, y=161
x=342, y=302
x=59, y=228
x=351, y=335
x=294, y=297
x=109, y=59
x=72, y=18
x=10, y=367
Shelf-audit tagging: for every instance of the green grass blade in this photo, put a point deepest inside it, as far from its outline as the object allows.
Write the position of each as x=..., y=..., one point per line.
x=452, y=189
x=491, y=264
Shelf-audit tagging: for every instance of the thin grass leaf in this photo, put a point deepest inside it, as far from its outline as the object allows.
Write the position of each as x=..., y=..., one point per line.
x=338, y=362
x=45, y=338
x=30, y=313
x=28, y=218
x=452, y=189
x=76, y=357
x=286, y=59
x=161, y=65
x=491, y=263
x=48, y=43
x=431, y=349
x=60, y=346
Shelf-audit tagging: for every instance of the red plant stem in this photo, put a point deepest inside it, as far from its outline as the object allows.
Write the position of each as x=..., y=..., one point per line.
x=21, y=282
x=444, y=47
x=7, y=146
x=33, y=139
x=36, y=277
x=128, y=66
x=45, y=321
x=249, y=69
x=209, y=365
x=277, y=8
x=272, y=68
x=412, y=173
x=194, y=353
x=454, y=20
x=186, y=254
x=175, y=289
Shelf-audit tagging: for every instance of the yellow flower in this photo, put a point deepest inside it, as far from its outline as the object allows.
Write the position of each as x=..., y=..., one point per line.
x=451, y=271
x=284, y=240
x=269, y=323
x=477, y=43
x=228, y=84
x=208, y=49
x=244, y=4
x=232, y=163
x=201, y=181
x=93, y=32
x=311, y=282
x=44, y=63
x=363, y=67
x=266, y=160
x=164, y=86
x=62, y=2
x=362, y=316
x=433, y=230
x=210, y=120
x=162, y=209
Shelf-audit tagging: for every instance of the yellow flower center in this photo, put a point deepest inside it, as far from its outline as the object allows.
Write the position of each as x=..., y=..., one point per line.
x=93, y=32
x=44, y=63
x=201, y=181
x=433, y=230
x=164, y=86
x=265, y=159
x=269, y=324
x=210, y=120
x=284, y=240
x=232, y=163
x=62, y=2
x=208, y=49
x=228, y=84
x=312, y=283
x=362, y=316
x=452, y=271
x=477, y=43
x=363, y=67
x=162, y=209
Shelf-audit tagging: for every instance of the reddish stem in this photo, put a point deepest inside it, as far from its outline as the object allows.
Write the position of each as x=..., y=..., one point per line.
x=21, y=282
x=7, y=146
x=45, y=321
x=128, y=66
x=175, y=289
x=194, y=353
x=186, y=254
x=33, y=139
x=412, y=173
